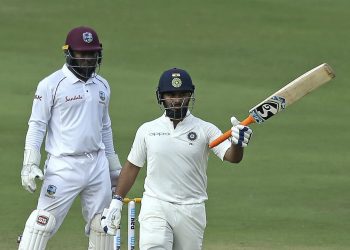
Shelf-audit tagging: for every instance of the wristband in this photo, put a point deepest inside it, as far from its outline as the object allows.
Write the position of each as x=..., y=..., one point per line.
x=117, y=197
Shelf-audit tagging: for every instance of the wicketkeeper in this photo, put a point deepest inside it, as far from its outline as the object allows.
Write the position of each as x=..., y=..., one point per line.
x=70, y=108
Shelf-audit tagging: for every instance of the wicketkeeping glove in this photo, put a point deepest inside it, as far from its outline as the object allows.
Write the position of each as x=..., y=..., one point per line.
x=111, y=216
x=30, y=170
x=240, y=134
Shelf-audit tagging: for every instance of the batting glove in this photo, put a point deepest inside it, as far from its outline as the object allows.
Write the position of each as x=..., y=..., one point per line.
x=111, y=216
x=30, y=170
x=240, y=134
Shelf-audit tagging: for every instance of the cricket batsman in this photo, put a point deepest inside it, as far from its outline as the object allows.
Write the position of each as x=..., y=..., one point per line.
x=175, y=147
x=70, y=109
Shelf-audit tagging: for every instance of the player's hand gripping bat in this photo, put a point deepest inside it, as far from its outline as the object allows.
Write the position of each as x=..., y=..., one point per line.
x=284, y=97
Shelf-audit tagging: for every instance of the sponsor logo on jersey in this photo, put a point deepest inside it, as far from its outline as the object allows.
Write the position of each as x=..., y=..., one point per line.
x=159, y=133
x=73, y=98
x=38, y=97
x=87, y=37
x=42, y=220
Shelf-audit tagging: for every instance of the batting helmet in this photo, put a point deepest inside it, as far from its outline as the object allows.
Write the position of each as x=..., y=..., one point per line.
x=174, y=80
x=82, y=39
x=171, y=81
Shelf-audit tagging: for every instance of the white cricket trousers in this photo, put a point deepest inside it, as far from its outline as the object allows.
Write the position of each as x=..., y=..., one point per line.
x=67, y=177
x=169, y=226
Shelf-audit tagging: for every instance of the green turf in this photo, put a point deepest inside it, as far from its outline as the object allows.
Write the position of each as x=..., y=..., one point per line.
x=291, y=190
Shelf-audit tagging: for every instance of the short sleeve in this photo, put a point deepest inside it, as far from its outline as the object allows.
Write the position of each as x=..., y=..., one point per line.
x=219, y=150
x=138, y=152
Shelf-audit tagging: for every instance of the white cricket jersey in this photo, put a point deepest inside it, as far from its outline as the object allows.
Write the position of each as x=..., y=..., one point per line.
x=177, y=158
x=75, y=112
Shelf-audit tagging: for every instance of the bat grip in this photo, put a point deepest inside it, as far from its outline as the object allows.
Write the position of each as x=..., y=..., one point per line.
x=227, y=134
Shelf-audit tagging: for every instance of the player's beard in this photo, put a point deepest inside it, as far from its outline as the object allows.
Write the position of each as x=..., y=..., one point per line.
x=176, y=113
x=84, y=71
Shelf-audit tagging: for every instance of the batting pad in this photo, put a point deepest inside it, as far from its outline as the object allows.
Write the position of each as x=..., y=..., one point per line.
x=98, y=239
x=37, y=230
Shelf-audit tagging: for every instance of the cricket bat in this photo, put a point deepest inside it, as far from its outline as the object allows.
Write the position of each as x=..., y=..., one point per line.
x=284, y=97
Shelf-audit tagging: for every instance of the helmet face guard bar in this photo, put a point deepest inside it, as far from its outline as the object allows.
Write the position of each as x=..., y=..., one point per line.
x=176, y=112
x=84, y=70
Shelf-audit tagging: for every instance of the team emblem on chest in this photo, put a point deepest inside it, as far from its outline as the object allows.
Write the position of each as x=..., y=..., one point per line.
x=102, y=96
x=192, y=136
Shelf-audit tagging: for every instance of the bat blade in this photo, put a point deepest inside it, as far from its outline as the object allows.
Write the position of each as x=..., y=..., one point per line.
x=284, y=97
x=292, y=92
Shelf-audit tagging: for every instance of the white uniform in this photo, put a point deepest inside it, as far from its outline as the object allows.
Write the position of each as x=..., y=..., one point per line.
x=75, y=116
x=176, y=181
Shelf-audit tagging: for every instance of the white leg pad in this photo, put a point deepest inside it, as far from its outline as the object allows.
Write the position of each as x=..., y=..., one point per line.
x=98, y=239
x=37, y=230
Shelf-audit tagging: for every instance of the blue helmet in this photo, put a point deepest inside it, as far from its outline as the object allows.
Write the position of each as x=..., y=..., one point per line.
x=174, y=80
x=171, y=81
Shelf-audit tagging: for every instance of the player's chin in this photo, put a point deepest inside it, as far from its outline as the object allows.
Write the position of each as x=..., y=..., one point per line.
x=87, y=72
x=176, y=108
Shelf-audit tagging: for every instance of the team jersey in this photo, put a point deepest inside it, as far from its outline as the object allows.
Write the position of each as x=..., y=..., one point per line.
x=74, y=112
x=177, y=158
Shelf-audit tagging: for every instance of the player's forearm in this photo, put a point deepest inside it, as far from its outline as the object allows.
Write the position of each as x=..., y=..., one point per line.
x=126, y=179
x=234, y=154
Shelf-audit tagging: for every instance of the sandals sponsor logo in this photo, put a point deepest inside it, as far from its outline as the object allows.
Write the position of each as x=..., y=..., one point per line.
x=76, y=97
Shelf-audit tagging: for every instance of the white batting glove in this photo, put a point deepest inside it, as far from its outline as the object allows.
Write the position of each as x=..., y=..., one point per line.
x=30, y=170
x=240, y=134
x=111, y=216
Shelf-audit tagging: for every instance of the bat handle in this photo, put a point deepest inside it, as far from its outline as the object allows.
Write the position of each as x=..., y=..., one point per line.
x=227, y=134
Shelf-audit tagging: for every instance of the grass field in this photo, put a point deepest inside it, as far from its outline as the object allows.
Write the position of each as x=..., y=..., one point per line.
x=292, y=189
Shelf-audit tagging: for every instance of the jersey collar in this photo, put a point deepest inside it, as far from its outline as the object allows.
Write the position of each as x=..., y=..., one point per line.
x=185, y=120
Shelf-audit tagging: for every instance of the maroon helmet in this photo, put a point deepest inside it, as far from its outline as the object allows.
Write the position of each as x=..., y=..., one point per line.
x=82, y=39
